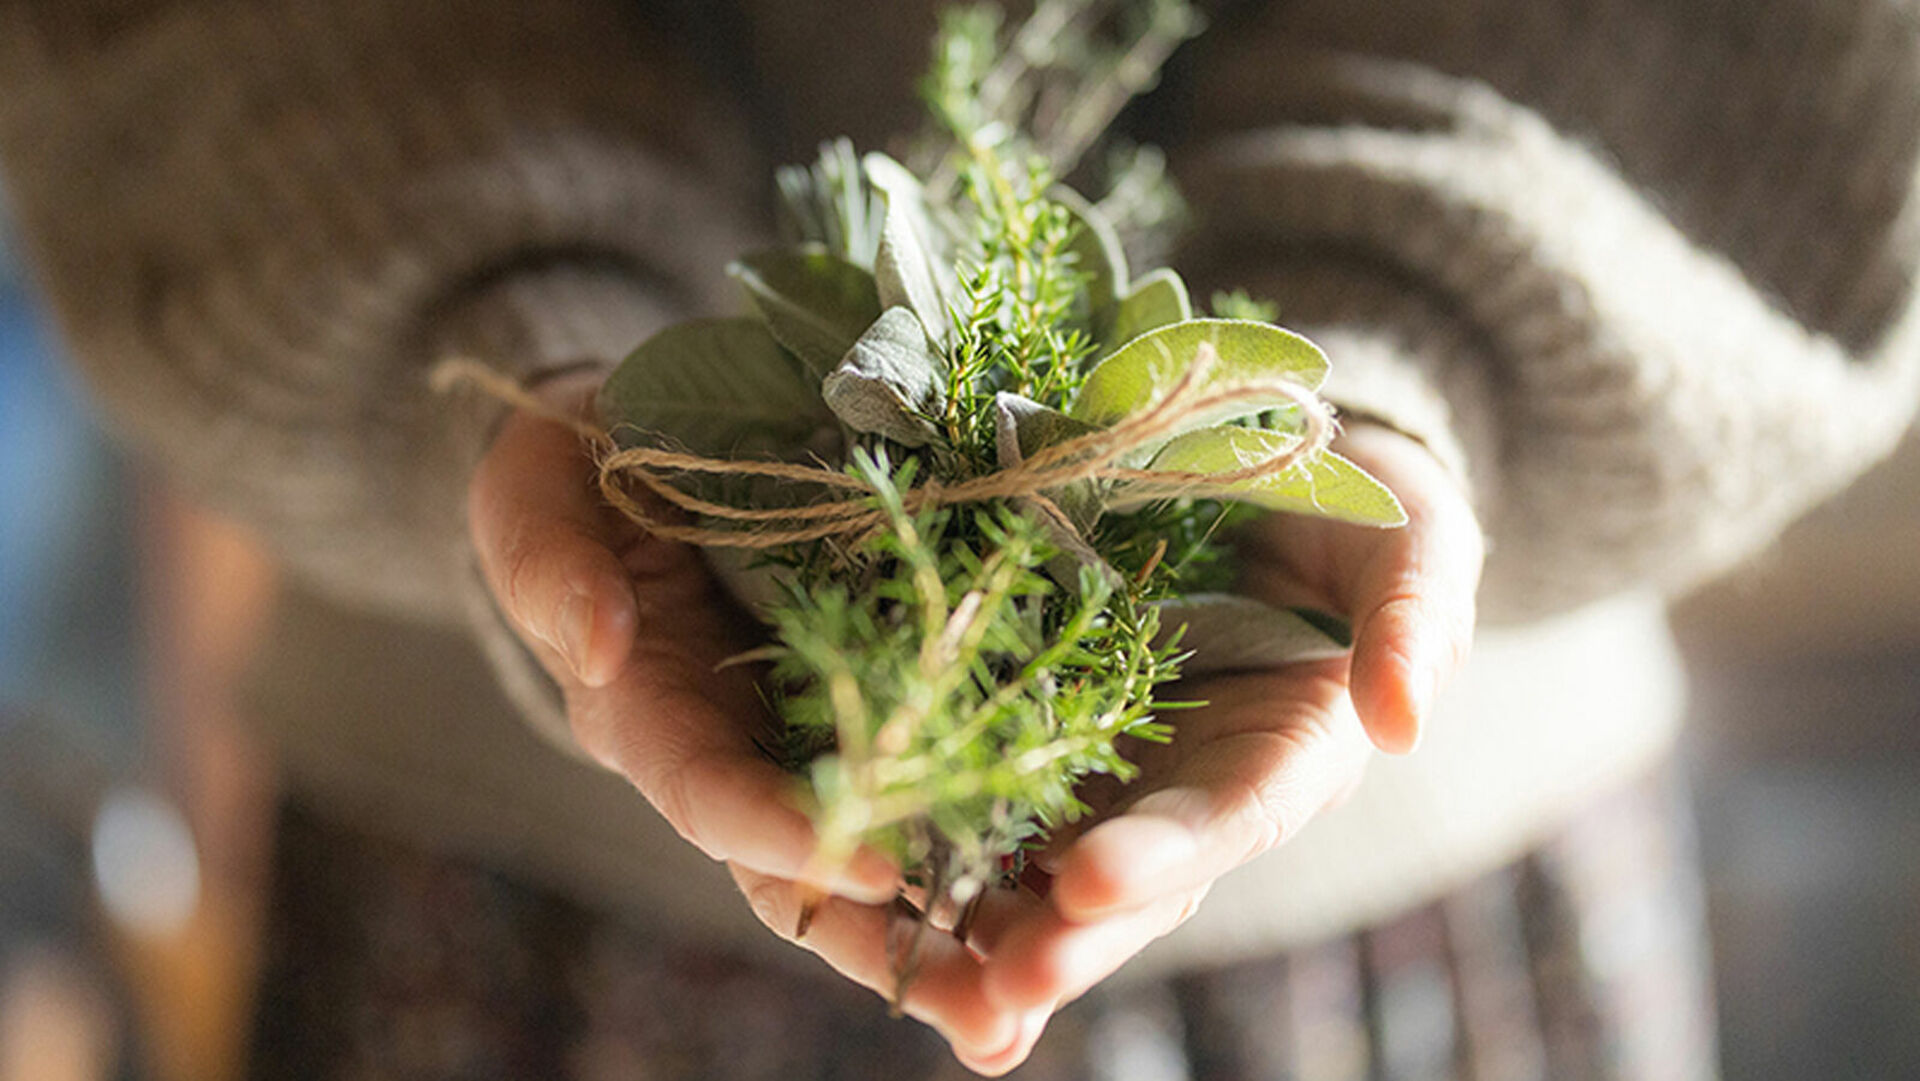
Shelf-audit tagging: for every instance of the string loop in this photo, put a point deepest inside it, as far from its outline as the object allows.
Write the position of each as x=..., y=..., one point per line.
x=1094, y=456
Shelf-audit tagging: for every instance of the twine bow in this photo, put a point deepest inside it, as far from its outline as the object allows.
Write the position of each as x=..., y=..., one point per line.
x=852, y=512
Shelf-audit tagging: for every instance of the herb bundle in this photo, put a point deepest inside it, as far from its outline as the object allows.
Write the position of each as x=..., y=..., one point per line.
x=970, y=470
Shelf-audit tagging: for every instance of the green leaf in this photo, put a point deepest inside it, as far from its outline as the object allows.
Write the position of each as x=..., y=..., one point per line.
x=1148, y=367
x=1155, y=301
x=1076, y=556
x=1228, y=633
x=831, y=203
x=718, y=387
x=1025, y=427
x=910, y=268
x=889, y=379
x=1325, y=486
x=892, y=178
x=1097, y=253
x=815, y=303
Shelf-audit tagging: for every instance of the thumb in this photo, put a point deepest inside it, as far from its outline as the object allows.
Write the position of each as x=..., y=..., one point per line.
x=548, y=549
x=1413, y=602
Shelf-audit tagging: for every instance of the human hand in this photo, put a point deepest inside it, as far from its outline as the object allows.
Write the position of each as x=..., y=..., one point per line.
x=1243, y=774
x=632, y=628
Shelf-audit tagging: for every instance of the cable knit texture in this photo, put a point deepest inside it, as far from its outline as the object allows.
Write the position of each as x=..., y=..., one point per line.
x=1642, y=272
x=253, y=220
x=1656, y=415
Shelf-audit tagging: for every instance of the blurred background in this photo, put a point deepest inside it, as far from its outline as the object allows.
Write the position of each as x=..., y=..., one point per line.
x=131, y=869
x=1805, y=753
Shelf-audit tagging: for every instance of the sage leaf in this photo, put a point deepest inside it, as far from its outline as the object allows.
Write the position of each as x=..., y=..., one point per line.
x=1157, y=300
x=1075, y=556
x=889, y=381
x=815, y=303
x=907, y=274
x=891, y=178
x=911, y=268
x=1226, y=633
x=831, y=203
x=1324, y=486
x=1147, y=368
x=718, y=387
x=1024, y=427
x=1098, y=253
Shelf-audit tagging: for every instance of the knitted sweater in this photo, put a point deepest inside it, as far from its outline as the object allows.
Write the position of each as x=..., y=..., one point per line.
x=1641, y=271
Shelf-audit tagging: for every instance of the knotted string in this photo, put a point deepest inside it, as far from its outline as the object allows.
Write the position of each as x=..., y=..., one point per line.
x=853, y=512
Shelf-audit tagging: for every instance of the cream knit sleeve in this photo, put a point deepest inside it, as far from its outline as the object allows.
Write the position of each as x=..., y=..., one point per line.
x=260, y=222
x=1634, y=403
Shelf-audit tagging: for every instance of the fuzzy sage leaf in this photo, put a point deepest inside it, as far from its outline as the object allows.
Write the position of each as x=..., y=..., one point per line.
x=1024, y=426
x=1146, y=369
x=1156, y=300
x=1098, y=254
x=1224, y=632
x=890, y=381
x=1325, y=486
x=815, y=303
x=720, y=387
x=909, y=269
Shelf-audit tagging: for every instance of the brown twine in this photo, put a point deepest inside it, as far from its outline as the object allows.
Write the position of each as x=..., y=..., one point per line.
x=1083, y=458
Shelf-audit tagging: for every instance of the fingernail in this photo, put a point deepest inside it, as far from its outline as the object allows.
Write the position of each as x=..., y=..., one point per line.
x=1420, y=684
x=572, y=629
x=1419, y=703
x=1423, y=690
x=811, y=898
x=1423, y=708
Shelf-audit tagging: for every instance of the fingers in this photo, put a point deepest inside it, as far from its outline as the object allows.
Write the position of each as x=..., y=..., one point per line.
x=1272, y=751
x=1267, y=754
x=991, y=999
x=1412, y=598
x=632, y=629
x=862, y=942
x=547, y=550
x=674, y=727
x=1039, y=959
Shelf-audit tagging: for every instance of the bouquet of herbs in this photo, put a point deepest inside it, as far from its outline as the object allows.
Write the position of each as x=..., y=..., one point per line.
x=970, y=469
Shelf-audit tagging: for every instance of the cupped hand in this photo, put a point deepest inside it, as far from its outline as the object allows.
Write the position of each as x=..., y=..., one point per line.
x=1243, y=774
x=632, y=628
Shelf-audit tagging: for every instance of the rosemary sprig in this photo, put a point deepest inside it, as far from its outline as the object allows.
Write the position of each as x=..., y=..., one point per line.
x=944, y=707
